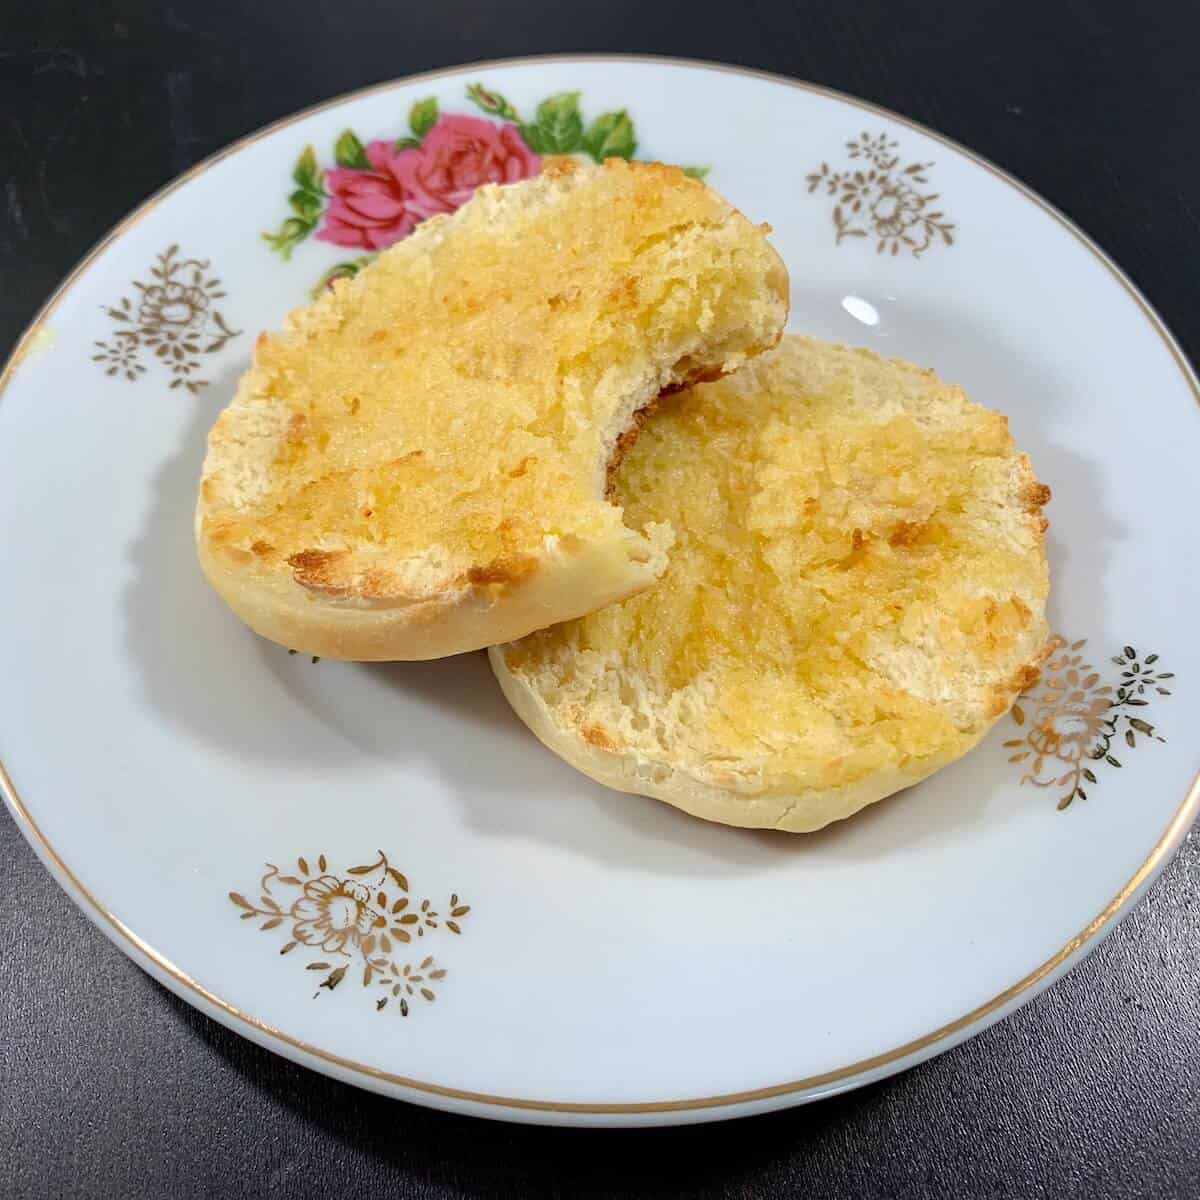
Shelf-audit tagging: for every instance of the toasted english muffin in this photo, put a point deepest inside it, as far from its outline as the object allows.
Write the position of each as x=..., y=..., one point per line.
x=417, y=464
x=856, y=593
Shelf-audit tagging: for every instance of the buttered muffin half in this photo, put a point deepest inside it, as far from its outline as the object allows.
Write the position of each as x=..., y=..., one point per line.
x=856, y=593
x=418, y=463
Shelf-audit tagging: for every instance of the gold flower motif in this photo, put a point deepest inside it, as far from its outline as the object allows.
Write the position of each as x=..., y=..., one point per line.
x=364, y=917
x=1079, y=716
x=120, y=356
x=879, y=149
x=895, y=210
x=333, y=912
x=1068, y=731
x=882, y=200
x=172, y=304
x=172, y=318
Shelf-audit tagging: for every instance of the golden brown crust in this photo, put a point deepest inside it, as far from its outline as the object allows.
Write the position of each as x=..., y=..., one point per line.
x=1034, y=495
x=626, y=440
x=386, y=466
x=624, y=443
x=908, y=533
x=320, y=570
x=1023, y=677
x=856, y=595
x=596, y=735
x=502, y=571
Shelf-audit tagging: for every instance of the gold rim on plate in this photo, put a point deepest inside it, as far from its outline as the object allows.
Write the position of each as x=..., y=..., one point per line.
x=915, y=1050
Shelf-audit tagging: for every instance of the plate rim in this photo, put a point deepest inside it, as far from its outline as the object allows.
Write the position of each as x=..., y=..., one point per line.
x=485, y=1104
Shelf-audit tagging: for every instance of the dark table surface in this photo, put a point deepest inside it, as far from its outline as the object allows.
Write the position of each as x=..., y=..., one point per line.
x=110, y=1086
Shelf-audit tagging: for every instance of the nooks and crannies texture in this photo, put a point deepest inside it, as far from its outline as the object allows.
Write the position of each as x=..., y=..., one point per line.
x=417, y=464
x=856, y=593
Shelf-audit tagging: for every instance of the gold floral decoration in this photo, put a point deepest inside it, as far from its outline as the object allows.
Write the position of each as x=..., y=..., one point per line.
x=362, y=917
x=1075, y=717
x=882, y=199
x=170, y=320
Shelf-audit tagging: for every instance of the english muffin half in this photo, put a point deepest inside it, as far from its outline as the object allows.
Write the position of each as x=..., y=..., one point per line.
x=856, y=593
x=417, y=465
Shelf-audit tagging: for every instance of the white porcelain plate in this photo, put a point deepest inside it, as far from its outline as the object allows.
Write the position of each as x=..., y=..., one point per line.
x=376, y=870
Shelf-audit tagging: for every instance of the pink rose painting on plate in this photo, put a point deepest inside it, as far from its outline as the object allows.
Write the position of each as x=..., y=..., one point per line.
x=375, y=207
x=378, y=192
x=368, y=208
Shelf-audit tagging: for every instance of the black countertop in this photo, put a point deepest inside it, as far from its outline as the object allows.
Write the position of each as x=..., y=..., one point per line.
x=110, y=1086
